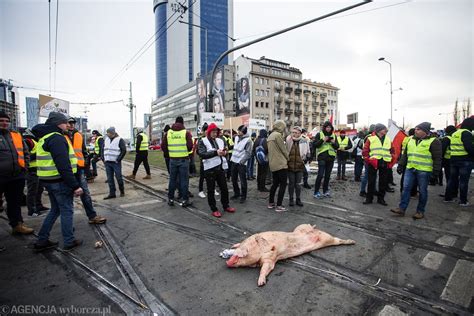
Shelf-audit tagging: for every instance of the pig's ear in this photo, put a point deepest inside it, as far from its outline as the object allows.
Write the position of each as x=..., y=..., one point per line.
x=235, y=246
x=314, y=226
x=261, y=241
x=242, y=252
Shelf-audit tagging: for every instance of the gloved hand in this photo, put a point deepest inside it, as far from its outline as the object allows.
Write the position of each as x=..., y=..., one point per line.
x=399, y=169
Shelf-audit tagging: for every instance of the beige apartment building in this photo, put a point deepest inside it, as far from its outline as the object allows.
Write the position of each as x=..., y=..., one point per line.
x=279, y=92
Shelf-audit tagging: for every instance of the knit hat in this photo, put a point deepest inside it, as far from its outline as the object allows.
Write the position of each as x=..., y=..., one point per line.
x=3, y=114
x=211, y=128
x=111, y=130
x=379, y=127
x=243, y=129
x=179, y=119
x=450, y=129
x=71, y=120
x=425, y=127
x=56, y=118
x=205, y=127
x=468, y=123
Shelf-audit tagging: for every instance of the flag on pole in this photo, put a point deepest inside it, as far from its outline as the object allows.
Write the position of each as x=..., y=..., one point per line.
x=331, y=119
x=397, y=135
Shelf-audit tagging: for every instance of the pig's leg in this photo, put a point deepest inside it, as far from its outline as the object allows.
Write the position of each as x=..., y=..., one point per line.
x=267, y=267
x=337, y=241
x=235, y=246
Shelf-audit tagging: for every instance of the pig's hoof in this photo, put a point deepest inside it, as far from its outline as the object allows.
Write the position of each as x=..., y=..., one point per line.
x=351, y=242
x=261, y=281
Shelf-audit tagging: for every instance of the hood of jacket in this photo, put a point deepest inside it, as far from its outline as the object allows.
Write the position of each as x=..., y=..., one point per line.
x=279, y=126
x=177, y=127
x=41, y=130
x=468, y=123
x=263, y=133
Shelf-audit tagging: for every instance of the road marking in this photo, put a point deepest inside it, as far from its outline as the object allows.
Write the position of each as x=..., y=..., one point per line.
x=390, y=310
x=463, y=218
x=140, y=203
x=469, y=247
x=460, y=287
x=433, y=259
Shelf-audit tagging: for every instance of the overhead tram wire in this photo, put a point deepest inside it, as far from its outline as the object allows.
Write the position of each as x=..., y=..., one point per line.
x=132, y=61
x=214, y=27
x=56, y=44
x=94, y=103
x=332, y=18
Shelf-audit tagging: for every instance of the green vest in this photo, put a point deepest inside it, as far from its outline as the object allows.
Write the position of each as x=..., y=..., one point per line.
x=33, y=163
x=96, y=145
x=379, y=150
x=326, y=146
x=46, y=169
x=457, y=147
x=343, y=143
x=177, y=144
x=144, y=143
x=447, y=154
x=229, y=142
x=405, y=142
x=419, y=156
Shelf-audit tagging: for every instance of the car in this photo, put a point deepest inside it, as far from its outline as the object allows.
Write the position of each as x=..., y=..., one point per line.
x=154, y=147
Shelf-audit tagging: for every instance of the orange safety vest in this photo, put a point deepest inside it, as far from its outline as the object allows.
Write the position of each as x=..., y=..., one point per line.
x=77, y=143
x=18, y=143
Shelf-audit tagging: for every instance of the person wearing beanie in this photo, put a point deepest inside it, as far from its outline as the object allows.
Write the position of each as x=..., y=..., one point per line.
x=112, y=154
x=177, y=144
x=201, y=168
x=365, y=177
x=98, y=140
x=14, y=161
x=325, y=144
x=240, y=158
x=299, y=153
x=421, y=160
x=213, y=151
x=278, y=161
x=141, y=155
x=345, y=144
x=251, y=162
x=462, y=162
x=357, y=154
x=77, y=141
x=260, y=150
x=377, y=153
x=57, y=168
x=446, y=154
x=165, y=155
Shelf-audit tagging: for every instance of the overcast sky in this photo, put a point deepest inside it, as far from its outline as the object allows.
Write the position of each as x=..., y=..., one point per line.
x=429, y=43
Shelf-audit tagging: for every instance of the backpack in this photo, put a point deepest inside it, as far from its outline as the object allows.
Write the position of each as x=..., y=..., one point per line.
x=260, y=154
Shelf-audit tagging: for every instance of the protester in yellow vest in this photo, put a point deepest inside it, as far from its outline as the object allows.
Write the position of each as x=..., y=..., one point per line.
x=324, y=147
x=176, y=144
x=13, y=163
x=80, y=150
x=342, y=155
x=462, y=162
x=57, y=165
x=377, y=153
x=421, y=160
x=446, y=152
x=141, y=155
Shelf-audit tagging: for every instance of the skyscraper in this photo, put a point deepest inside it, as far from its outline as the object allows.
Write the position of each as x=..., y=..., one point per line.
x=181, y=48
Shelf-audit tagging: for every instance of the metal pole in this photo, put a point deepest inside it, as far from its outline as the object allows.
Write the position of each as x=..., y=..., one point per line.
x=227, y=52
x=391, y=92
x=132, y=140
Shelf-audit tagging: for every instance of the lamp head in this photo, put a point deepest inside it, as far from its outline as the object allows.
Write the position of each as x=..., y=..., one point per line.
x=381, y=58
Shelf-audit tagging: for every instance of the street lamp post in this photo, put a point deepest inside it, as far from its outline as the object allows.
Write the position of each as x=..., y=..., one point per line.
x=205, y=40
x=447, y=114
x=391, y=89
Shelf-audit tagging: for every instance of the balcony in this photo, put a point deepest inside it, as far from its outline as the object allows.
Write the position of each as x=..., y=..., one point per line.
x=315, y=93
x=288, y=100
x=288, y=111
x=314, y=109
x=277, y=87
x=298, y=101
x=298, y=111
x=298, y=91
x=324, y=104
x=306, y=91
x=278, y=99
x=315, y=103
x=323, y=95
x=288, y=89
x=279, y=109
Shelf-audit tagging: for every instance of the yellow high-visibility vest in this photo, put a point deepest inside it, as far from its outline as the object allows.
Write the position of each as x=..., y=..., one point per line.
x=326, y=146
x=379, y=150
x=419, y=156
x=457, y=147
x=96, y=145
x=177, y=144
x=447, y=154
x=144, y=143
x=46, y=169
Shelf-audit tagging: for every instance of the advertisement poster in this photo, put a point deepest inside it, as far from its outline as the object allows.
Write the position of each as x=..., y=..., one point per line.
x=49, y=104
x=243, y=97
x=217, y=102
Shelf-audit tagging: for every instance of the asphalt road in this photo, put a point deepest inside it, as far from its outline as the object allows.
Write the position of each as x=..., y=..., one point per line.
x=165, y=260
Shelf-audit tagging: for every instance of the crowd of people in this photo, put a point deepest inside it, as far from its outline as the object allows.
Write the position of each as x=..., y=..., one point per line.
x=53, y=157
x=286, y=157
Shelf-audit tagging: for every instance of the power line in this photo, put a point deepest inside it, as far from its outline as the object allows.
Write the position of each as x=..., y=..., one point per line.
x=213, y=26
x=93, y=103
x=56, y=43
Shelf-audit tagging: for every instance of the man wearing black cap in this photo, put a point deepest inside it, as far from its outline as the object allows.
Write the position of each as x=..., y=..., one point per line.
x=377, y=153
x=240, y=157
x=446, y=152
x=421, y=159
x=56, y=168
x=112, y=154
x=14, y=159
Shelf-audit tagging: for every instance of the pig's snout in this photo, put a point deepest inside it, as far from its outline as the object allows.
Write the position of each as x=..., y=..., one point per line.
x=232, y=261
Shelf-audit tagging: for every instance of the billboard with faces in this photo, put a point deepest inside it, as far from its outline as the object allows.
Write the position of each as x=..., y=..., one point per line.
x=243, y=96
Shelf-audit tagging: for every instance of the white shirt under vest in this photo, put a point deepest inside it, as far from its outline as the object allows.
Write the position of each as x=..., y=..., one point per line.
x=217, y=160
x=111, y=149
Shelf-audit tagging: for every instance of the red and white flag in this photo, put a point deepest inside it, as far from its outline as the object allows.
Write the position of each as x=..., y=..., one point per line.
x=397, y=135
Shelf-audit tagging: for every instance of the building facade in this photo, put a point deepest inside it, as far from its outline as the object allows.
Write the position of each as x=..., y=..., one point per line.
x=10, y=102
x=182, y=50
x=278, y=92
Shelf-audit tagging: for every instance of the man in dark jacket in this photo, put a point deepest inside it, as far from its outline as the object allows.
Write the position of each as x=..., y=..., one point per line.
x=176, y=145
x=262, y=169
x=342, y=155
x=462, y=161
x=112, y=153
x=141, y=155
x=324, y=146
x=56, y=167
x=14, y=159
x=213, y=151
x=421, y=159
x=446, y=152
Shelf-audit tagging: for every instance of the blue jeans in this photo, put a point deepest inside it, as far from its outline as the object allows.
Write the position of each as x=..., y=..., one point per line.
x=112, y=168
x=460, y=171
x=365, y=179
x=179, y=175
x=61, y=198
x=86, y=196
x=359, y=165
x=250, y=166
x=423, y=179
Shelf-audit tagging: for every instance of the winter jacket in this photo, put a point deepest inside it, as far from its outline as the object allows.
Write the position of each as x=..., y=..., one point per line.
x=467, y=140
x=58, y=147
x=248, y=148
x=122, y=146
x=9, y=157
x=436, y=155
x=205, y=154
x=261, y=141
x=318, y=142
x=164, y=141
x=296, y=162
x=277, y=151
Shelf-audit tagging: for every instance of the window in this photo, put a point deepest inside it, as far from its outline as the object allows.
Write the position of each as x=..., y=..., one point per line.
x=287, y=84
x=256, y=104
x=297, y=86
x=261, y=104
x=287, y=95
x=267, y=93
x=277, y=94
x=256, y=93
x=267, y=81
x=277, y=83
x=266, y=105
x=256, y=79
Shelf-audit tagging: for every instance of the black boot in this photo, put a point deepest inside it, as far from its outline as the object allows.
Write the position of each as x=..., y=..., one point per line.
x=298, y=202
x=381, y=201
